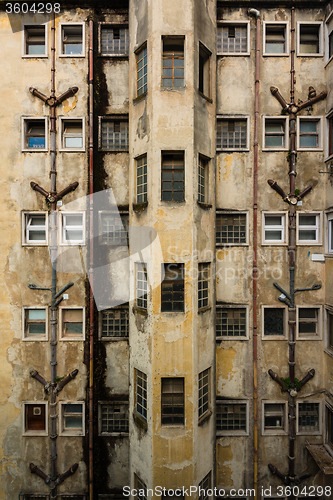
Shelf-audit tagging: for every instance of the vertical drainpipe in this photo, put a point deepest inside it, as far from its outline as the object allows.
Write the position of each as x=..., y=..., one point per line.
x=53, y=255
x=91, y=258
x=255, y=13
x=291, y=257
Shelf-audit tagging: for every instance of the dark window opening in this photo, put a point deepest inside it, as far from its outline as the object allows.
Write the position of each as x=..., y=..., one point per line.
x=173, y=177
x=273, y=321
x=172, y=288
x=172, y=401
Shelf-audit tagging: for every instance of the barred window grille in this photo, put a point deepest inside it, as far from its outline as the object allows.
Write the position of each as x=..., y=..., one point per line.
x=231, y=134
x=203, y=392
x=141, y=179
x=114, y=418
x=114, y=40
x=115, y=135
x=308, y=417
x=230, y=322
x=141, y=393
x=115, y=323
x=231, y=229
x=115, y=228
x=141, y=285
x=205, y=485
x=203, y=284
x=232, y=39
x=231, y=417
x=273, y=321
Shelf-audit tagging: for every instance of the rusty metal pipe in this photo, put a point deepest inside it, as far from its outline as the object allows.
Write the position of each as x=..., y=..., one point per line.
x=278, y=96
x=308, y=376
x=34, y=374
x=64, y=382
x=277, y=473
x=69, y=472
x=304, y=192
x=35, y=470
x=274, y=185
x=313, y=100
x=40, y=190
x=67, y=190
x=277, y=379
x=36, y=93
x=69, y=93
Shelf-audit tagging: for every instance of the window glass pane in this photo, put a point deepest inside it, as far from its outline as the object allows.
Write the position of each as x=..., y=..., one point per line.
x=37, y=314
x=273, y=141
x=274, y=48
x=307, y=235
x=73, y=328
x=307, y=220
x=37, y=235
x=73, y=142
x=273, y=321
x=73, y=220
x=73, y=235
x=308, y=141
x=73, y=408
x=73, y=422
x=273, y=220
x=36, y=220
x=36, y=142
x=36, y=50
x=308, y=126
x=73, y=49
x=36, y=329
x=273, y=235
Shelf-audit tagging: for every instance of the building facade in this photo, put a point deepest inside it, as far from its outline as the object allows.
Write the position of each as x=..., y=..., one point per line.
x=166, y=249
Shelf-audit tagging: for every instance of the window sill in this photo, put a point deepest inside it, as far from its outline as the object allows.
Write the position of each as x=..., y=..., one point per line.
x=35, y=56
x=273, y=150
x=116, y=56
x=204, y=206
x=140, y=421
x=114, y=434
x=180, y=90
x=35, y=150
x=232, y=54
x=329, y=158
x=72, y=150
x=35, y=339
x=34, y=433
x=71, y=339
x=114, y=339
x=223, y=245
x=204, y=309
x=71, y=433
x=72, y=55
x=311, y=150
x=310, y=55
x=205, y=97
x=169, y=202
x=140, y=97
x=140, y=207
x=314, y=337
x=273, y=337
x=328, y=62
x=272, y=244
x=277, y=54
x=281, y=432
x=173, y=313
x=232, y=150
x=109, y=150
x=329, y=352
x=305, y=243
x=140, y=310
x=231, y=433
x=220, y=339
x=43, y=245
x=206, y=416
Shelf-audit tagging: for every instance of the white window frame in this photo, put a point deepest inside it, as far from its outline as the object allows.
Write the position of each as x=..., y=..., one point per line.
x=321, y=41
x=219, y=305
x=284, y=226
x=235, y=432
x=66, y=432
x=285, y=322
x=35, y=338
x=24, y=38
x=138, y=267
x=117, y=214
x=232, y=212
x=25, y=231
x=204, y=162
x=113, y=403
x=235, y=118
x=236, y=23
x=61, y=26
x=62, y=120
x=328, y=29
x=279, y=118
x=319, y=334
x=318, y=241
x=145, y=194
x=319, y=120
x=286, y=31
x=329, y=232
x=26, y=432
x=104, y=24
x=68, y=338
x=279, y=430
x=320, y=419
x=24, y=122
x=62, y=227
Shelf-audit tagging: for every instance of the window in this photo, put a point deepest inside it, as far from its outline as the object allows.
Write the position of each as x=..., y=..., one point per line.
x=308, y=417
x=114, y=323
x=34, y=228
x=329, y=427
x=173, y=62
x=204, y=392
x=309, y=133
x=204, y=70
x=275, y=39
x=113, y=417
x=172, y=401
x=141, y=403
x=72, y=228
x=204, y=486
x=34, y=134
x=72, y=39
x=329, y=326
x=35, y=41
x=141, y=179
x=330, y=232
x=114, y=228
x=35, y=419
x=141, y=488
x=71, y=418
x=72, y=134
x=308, y=228
x=275, y=133
x=173, y=177
x=233, y=39
x=231, y=229
x=203, y=284
x=114, y=134
x=308, y=323
x=231, y=322
x=114, y=40
x=203, y=180
x=274, y=417
x=232, y=134
x=34, y=323
x=33, y=497
x=309, y=39
x=232, y=418
x=172, y=288
x=141, y=68
x=71, y=323
x=330, y=45
x=141, y=285
x=274, y=228
x=329, y=126
x=274, y=323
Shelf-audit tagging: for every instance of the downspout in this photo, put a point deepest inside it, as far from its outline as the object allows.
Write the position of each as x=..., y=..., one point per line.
x=255, y=13
x=91, y=257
